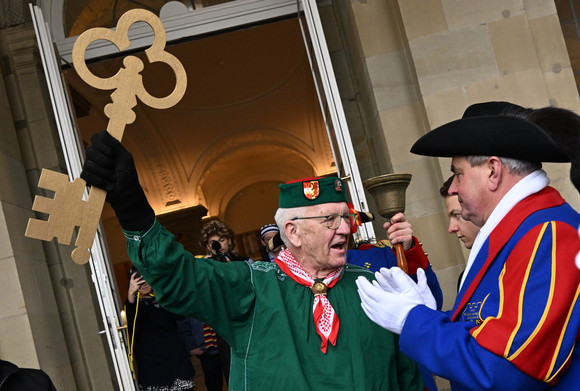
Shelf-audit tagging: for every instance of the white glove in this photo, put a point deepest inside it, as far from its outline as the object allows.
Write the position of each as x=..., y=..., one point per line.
x=386, y=281
x=424, y=290
x=389, y=309
x=578, y=255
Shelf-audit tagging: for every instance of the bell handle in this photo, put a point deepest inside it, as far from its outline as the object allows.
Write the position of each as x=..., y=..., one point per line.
x=401, y=259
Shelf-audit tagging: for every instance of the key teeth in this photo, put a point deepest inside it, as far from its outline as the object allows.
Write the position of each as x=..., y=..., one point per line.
x=36, y=230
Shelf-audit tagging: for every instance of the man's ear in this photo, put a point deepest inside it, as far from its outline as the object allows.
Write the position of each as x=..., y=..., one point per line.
x=291, y=228
x=495, y=172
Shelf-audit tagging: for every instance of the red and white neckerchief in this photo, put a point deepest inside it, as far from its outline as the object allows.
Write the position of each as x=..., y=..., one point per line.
x=325, y=318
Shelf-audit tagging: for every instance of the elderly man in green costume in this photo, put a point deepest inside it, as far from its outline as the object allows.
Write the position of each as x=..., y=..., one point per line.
x=292, y=324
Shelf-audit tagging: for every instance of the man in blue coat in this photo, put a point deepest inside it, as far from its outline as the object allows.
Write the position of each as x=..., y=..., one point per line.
x=515, y=322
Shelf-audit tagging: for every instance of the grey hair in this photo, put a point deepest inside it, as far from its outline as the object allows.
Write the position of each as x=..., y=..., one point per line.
x=285, y=214
x=515, y=166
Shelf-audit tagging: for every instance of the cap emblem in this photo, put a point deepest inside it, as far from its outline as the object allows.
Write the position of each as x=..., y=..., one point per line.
x=311, y=189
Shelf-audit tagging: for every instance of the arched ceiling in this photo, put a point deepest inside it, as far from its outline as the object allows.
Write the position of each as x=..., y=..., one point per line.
x=250, y=117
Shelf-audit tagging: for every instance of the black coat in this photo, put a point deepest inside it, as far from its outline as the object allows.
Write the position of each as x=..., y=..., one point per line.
x=158, y=350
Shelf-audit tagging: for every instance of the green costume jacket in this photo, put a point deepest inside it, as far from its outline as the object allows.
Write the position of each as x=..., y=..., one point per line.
x=266, y=317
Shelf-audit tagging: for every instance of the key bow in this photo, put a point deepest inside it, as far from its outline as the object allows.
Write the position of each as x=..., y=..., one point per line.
x=127, y=82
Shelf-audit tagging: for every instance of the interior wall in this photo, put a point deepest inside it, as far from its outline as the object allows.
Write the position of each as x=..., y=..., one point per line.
x=254, y=215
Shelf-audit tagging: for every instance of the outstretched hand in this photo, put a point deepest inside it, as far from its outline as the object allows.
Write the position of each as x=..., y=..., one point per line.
x=388, y=302
x=396, y=281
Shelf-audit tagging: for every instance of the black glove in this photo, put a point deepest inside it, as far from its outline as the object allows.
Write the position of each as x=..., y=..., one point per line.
x=111, y=167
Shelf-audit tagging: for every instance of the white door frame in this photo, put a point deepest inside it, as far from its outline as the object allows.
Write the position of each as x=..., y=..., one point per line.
x=178, y=22
x=329, y=96
x=72, y=151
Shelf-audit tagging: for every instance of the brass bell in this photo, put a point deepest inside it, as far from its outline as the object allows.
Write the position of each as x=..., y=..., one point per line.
x=389, y=193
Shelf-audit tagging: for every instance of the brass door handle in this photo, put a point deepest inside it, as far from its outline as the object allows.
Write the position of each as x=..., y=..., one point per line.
x=123, y=321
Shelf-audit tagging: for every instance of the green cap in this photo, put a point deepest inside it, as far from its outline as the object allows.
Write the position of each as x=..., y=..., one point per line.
x=311, y=191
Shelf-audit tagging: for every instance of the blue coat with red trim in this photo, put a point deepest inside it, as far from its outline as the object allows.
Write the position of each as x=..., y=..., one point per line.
x=516, y=319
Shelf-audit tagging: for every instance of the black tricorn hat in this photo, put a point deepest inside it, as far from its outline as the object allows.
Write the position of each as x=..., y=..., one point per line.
x=491, y=129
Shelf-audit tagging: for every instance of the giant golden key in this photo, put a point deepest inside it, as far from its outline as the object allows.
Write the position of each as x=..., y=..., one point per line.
x=67, y=210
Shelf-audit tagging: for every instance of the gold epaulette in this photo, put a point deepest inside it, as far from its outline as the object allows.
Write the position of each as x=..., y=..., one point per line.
x=383, y=243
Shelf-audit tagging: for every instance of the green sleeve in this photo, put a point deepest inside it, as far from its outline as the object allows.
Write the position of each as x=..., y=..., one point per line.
x=212, y=292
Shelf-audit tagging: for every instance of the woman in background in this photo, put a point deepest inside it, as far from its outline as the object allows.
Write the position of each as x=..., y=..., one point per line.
x=155, y=344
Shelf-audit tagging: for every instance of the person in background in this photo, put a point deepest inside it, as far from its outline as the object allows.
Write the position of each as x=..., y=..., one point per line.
x=219, y=241
x=293, y=324
x=567, y=135
x=156, y=347
x=201, y=342
x=515, y=322
x=465, y=230
x=267, y=233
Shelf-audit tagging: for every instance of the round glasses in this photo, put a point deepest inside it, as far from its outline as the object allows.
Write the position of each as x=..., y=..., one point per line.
x=332, y=221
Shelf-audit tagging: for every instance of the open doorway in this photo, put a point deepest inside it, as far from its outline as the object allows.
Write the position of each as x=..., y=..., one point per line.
x=177, y=157
x=250, y=119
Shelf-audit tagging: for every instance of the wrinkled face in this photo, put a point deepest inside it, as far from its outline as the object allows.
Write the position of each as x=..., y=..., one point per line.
x=323, y=250
x=465, y=230
x=224, y=242
x=470, y=186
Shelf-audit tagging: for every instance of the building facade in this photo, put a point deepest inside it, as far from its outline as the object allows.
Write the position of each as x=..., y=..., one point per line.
x=401, y=68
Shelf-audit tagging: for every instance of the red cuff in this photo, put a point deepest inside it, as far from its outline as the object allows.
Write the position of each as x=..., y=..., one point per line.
x=416, y=257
